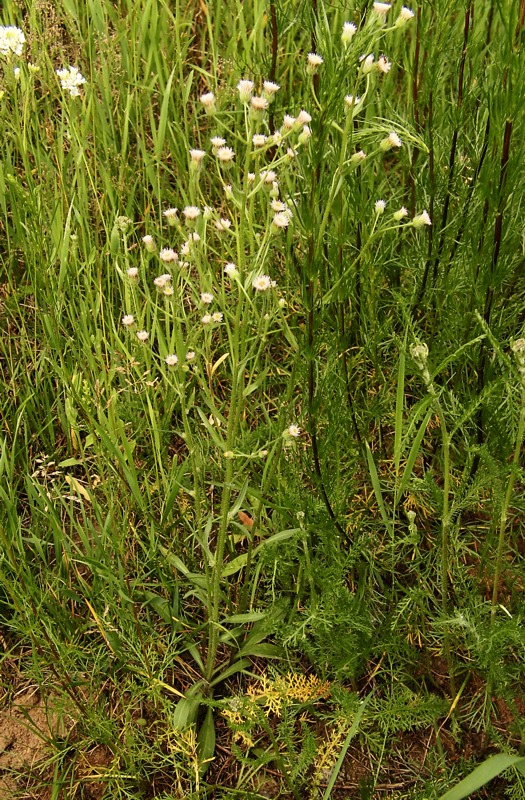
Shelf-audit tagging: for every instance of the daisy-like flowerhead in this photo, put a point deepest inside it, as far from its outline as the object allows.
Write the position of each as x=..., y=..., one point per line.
x=191, y=213
x=217, y=317
x=196, y=157
x=168, y=290
x=351, y=103
x=401, y=214
x=281, y=220
x=206, y=319
x=208, y=101
x=216, y=143
x=421, y=219
x=132, y=273
x=383, y=65
x=172, y=360
x=304, y=135
x=270, y=89
x=206, y=298
x=142, y=336
x=149, y=243
x=167, y=254
x=225, y=156
x=259, y=139
x=379, y=207
x=313, y=63
x=382, y=9
x=222, y=224
x=245, y=89
x=261, y=283
x=392, y=140
x=349, y=31
x=303, y=118
x=71, y=79
x=162, y=280
x=367, y=63
x=170, y=215
x=12, y=40
x=288, y=122
x=258, y=105
x=293, y=430
x=128, y=320
x=231, y=270
x=405, y=15
x=357, y=158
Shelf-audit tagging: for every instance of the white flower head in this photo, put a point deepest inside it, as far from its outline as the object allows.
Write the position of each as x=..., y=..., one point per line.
x=379, y=207
x=70, y=80
x=167, y=254
x=281, y=220
x=313, y=63
x=231, y=270
x=357, y=158
x=208, y=101
x=168, y=290
x=367, y=63
x=171, y=215
x=191, y=213
x=382, y=9
x=259, y=139
x=421, y=219
x=401, y=214
x=405, y=15
x=392, y=140
x=352, y=102
x=270, y=89
x=288, y=122
x=128, y=320
x=190, y=355
x=142, y=336
x=225, y=155
x=293, y=431
x=245, y=89
x=258, y=105
x=303, y=118
x=383, y=65
x=222, y=224
x=261, y=283
x=206, y=298
x=304, y=135
x=349, y=31
x=216, y=143
x=149, y=243
x=162, y=280
x=172, y=360
x=12, y=40
x=196, y=157
x=218, y=316
x=206, y=319
x=132, y=273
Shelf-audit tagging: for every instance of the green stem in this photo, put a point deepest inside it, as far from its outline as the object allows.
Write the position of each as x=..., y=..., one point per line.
x=505, y=507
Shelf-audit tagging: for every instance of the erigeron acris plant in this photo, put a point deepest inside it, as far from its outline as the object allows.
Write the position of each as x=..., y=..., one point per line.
x=205, y=306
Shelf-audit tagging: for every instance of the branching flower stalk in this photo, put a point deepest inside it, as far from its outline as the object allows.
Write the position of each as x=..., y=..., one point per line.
x=419, y=353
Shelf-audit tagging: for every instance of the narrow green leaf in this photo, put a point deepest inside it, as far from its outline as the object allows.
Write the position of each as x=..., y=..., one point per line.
x=490, y=769
x=377, y=490
x=206, y=741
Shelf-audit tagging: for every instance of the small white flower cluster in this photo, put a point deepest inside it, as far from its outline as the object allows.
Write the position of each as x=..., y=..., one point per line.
x=70, y=80
x=12, y=40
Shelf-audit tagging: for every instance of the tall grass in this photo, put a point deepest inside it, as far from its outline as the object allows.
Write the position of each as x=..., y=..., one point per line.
x=284, y=477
